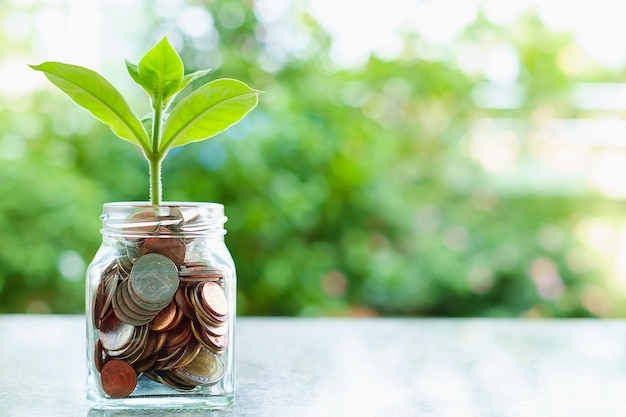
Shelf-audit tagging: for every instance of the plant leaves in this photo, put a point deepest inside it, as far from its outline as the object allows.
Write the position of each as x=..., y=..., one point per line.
x=161, y=71
x=192, y=77
x=188, y=80
x=211, y=109
x=133, y=70
x=94, y=93
x=147, y=121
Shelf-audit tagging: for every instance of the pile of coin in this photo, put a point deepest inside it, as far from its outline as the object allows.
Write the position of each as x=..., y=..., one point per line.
x=159, y=316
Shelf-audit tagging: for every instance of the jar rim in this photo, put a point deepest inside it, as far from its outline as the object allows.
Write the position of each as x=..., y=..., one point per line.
x=141, y=218
x=143, y=204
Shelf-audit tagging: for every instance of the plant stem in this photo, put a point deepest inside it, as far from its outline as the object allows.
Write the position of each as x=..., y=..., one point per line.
x=155, y=159
x=156, y=190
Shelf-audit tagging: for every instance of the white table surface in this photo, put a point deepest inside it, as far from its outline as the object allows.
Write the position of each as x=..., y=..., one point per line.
x=355, y=367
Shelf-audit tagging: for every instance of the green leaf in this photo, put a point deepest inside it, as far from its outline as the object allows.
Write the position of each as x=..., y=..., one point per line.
x=192, y=77
x=133, y=70
x=188, y=80
x=147, y=122
x=94, y=93
x=161, y=71
x=211, y=109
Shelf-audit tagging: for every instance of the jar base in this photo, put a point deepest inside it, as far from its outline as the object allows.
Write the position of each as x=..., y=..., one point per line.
x=152, y=395
x=166, y=402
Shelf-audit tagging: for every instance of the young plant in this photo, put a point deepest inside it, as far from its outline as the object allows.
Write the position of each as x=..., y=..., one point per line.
x=210, y=109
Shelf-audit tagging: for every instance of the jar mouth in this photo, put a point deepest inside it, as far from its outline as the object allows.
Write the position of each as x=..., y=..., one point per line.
x=141, y=219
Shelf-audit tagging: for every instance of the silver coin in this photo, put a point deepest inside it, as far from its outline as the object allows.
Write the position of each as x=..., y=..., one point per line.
x=154, y=278
x=115, y=335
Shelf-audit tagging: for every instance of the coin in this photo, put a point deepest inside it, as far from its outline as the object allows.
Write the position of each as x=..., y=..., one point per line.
x=124, y=265
x=212, y=330
x=110, y=284
x=200, y=272
x=161, y=340
x=184, y=303
x=202, y=315
x=145, y=364
x=97, y=311
x=216, y=344
x=144, y=349
x=118, y=378
x=154, y=278
x=214, y=299
x=173, y=248
x=167, y=359
x=206, y=369
x=170, y=379
x=125, y=313
x=167, y=318
x=179, y=336
x=99, y=357
x=102, y=298
x=191, y=351
x=133, y=350
x=114, y=334
x=139, y=305
x=132, y=250
x=142, y=222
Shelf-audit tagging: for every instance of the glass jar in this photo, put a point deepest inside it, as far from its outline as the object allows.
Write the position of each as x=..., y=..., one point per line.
x=160, y=304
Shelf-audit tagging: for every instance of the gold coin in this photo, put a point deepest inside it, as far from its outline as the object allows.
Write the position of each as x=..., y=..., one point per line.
x=206, y=369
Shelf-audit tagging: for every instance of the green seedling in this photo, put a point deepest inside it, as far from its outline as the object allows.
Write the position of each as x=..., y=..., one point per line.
x=204, y=112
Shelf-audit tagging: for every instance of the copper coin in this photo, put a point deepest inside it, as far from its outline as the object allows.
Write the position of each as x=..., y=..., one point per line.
x=143, y=222
x=203, y=315
x=107, y=316
x=200, y=271
x=184, y=303
x=98, y=303
x=145, y=364
x=166, y=319
x=179, y=336
x=102, y=298
x=214, y=299
x=118, y=378
x=174, y=248
x=161, y=340
x=99, y=357
x=216, y=344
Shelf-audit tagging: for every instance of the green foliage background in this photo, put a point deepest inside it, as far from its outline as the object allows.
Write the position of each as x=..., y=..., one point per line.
x=348, y=191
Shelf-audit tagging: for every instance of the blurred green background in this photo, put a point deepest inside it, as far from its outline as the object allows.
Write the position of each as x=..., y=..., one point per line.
x=449, y=158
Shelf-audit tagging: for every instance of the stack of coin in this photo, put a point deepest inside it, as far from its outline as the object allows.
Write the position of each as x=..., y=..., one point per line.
x=165, y=318
x=211, y=309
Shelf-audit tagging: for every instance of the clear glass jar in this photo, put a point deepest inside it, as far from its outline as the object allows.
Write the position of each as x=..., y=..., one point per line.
x=161, y=308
